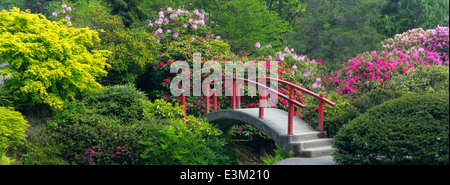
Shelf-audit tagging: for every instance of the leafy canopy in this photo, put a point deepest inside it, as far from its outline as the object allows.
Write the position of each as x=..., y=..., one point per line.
x=48, y=61
x=242, y=23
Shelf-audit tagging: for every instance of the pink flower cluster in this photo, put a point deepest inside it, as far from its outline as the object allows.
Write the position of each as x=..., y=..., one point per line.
x=63, y=10
x=94, y=154
x=433, y=40
x=192, y=22
x=406, y=51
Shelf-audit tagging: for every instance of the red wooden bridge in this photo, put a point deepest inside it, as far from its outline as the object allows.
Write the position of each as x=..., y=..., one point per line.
x=287, y=130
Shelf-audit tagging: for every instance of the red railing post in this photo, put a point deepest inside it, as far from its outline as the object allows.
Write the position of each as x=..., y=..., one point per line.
x=233, y=98
x=183, y=103
x=262, y=100
x=207, y=101
x=214, y=100
x=291, y=110
x=238, y=95
x=321, y=112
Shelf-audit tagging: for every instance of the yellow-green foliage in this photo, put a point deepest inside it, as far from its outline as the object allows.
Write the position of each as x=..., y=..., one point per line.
x=48, y=61
x=12, y=128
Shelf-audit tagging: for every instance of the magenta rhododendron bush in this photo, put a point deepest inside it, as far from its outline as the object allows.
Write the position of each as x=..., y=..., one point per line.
x=411, y=50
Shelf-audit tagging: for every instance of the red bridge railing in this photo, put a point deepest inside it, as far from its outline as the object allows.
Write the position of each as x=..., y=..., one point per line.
x=236, y=97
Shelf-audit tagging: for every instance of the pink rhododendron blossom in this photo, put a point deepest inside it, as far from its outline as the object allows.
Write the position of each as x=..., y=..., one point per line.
x=257, y=45
x=373, y=52
x=158, y=31
x=286, y=49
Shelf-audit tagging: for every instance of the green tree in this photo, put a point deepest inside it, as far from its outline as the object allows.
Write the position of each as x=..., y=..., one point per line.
x=48, y=62
x=288, y=10
x=36, y=6
x=402, y=15
x=242, y=23
x=336, y=30
x=8, y=4
x=133, y=49
x=128, y=10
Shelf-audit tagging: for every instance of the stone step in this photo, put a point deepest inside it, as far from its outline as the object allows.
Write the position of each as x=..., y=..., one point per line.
x=313, y=143
x=304, y=136
x=316, y=151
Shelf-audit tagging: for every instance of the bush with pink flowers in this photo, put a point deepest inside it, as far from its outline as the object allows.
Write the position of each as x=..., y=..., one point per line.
x=398, y=57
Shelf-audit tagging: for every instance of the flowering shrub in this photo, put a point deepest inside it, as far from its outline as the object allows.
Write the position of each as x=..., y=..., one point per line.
x=433, y=40
x=244, y=132
x=374, y=69
x=174, y=23
x=90, y=141
x=64, y=12
x=181, y=46
x=107, y=156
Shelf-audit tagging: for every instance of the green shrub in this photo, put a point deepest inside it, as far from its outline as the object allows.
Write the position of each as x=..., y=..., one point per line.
x=433, y=78
x=12, y=128
x=121, y=103
x=43, y=155
x=38, y=148
x=88, y=142
x=279, y=155
x=176, y=142
x=373, y=98
x=5, y=160
x=161, y=138
x=48, y=62
x=408, y=130
x=160, y=109
x=92, y=129
x=357, y=107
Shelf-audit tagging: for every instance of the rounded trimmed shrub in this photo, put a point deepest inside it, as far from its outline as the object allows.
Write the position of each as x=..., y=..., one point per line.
x=120, y=102
x=359, y=106
x=408, y=130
